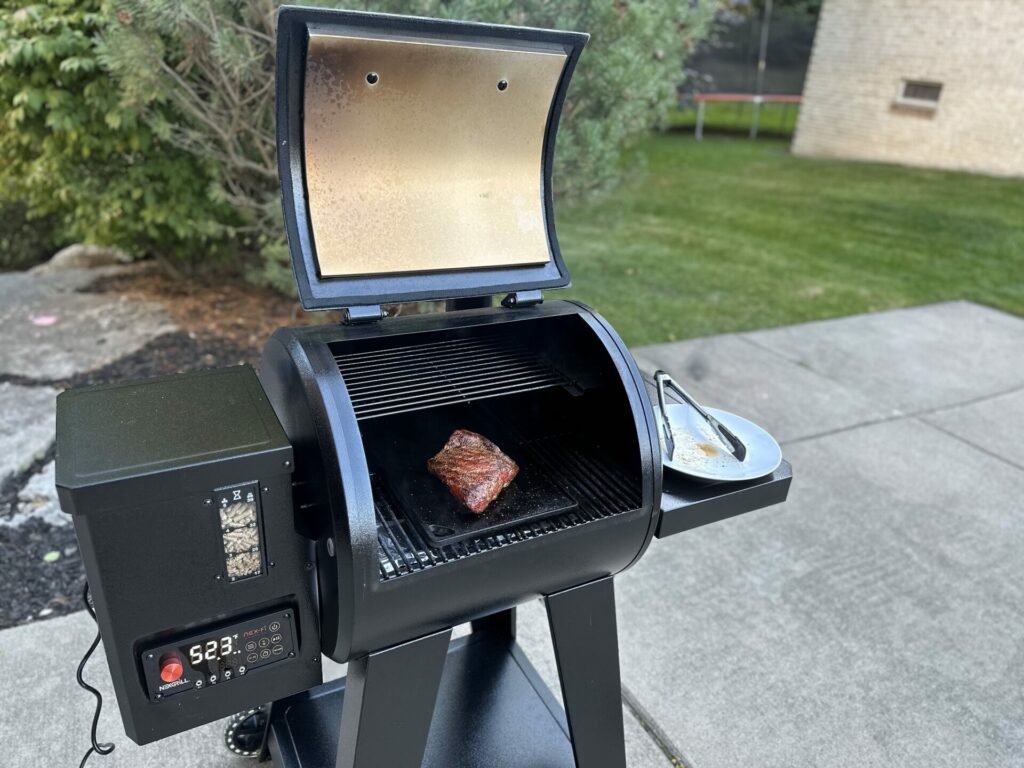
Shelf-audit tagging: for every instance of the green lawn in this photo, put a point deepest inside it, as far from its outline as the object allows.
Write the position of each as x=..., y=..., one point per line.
x=731, y=235
x=779, y=119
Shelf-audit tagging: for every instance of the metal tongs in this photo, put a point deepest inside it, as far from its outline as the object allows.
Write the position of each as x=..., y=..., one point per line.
x=724, y=434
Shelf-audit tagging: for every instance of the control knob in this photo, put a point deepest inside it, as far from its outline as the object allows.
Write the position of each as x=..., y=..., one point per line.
x=171, y=668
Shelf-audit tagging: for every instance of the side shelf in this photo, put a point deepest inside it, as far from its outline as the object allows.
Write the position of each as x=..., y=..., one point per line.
x=687, y=504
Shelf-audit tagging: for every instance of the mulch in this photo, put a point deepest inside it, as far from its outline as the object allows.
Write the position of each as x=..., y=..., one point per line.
x=32, y=587
x=221, y=324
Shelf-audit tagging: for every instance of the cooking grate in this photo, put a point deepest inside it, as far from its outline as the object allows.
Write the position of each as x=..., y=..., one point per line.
x=413, y=378
x=600, y=487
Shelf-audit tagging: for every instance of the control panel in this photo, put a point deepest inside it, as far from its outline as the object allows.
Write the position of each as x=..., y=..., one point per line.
x=218, y=656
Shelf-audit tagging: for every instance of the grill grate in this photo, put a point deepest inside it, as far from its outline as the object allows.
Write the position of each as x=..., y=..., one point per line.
x=601, y=489
x=413, y=378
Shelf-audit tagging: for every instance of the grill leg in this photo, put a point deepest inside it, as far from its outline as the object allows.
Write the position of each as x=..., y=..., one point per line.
x=389, y=702
x=586, y=644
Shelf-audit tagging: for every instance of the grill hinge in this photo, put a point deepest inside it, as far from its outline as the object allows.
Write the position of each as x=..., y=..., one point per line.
x=368, y=313
x=522, y=299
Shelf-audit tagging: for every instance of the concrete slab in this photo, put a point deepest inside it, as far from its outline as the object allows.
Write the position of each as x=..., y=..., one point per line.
x=49, y=725
x=993, y=425
x=47, y=717
x=874, y=620
x=52, y=330
x=27, y=425
x=788, y=399
x=911, y=359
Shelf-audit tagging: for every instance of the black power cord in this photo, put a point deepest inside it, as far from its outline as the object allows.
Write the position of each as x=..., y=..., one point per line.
x=97, y=747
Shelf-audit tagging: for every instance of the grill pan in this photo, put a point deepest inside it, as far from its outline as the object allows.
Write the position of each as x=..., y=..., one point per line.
x=440, y=517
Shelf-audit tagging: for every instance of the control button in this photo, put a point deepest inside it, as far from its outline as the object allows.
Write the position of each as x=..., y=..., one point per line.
x=252, y=657
x=213, y=679
x=199, y=683
x=250, y=646
x=241, y=670
x=276, y=639
x=274, y=626
x=264, y=643
x=171, y=668
x=227, y=674
x=265, y=654
x=277, y=649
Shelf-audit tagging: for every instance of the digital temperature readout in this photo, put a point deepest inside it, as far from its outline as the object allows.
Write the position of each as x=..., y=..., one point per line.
x=211, y=650
x=218, y=657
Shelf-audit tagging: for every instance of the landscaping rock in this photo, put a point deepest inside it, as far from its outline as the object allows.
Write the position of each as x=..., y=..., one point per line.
x=80, y=256
x=27, y=426
x=53, y=330
x=38, y=501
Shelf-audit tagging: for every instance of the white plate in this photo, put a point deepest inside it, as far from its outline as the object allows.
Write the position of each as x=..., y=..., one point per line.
x=700, y=453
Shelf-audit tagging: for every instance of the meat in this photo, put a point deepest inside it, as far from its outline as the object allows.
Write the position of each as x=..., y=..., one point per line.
x=474, y=469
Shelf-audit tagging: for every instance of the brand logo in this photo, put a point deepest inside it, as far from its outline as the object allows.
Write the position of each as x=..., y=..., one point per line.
x=175, y=684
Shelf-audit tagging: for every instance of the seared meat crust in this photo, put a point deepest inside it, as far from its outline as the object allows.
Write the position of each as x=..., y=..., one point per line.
x=474, y=469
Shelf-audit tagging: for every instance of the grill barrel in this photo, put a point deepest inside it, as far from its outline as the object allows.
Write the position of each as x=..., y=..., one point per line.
x=349, y=399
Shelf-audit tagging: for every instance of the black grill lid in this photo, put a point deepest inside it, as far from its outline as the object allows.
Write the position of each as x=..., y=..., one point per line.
x=415, y=155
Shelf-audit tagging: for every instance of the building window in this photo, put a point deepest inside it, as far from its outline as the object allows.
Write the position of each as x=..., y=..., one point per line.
x=921, y=94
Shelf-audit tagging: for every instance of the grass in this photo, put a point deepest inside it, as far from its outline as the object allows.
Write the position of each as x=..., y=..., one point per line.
x=774, y=119
x=731, y=235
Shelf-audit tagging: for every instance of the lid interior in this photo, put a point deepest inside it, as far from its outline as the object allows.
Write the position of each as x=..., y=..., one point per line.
x=415, y=155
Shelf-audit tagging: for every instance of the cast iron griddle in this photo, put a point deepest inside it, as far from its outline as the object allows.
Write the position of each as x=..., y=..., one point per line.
x=442, y=518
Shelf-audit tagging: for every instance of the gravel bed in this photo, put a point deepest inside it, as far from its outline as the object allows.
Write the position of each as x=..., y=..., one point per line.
x=33, y=588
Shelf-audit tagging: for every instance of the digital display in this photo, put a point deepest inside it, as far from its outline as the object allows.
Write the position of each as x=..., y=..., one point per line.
x=211, y=650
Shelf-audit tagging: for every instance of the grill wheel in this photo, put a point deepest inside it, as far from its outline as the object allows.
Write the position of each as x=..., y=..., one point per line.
x=245, y=733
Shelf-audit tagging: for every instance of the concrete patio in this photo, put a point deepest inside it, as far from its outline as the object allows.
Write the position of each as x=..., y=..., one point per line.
x=873, y=620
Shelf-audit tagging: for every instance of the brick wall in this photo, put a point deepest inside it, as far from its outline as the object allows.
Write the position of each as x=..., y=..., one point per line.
x=864, y=49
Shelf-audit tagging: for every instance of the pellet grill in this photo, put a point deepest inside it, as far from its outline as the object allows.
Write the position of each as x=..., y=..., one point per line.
x=415, y=159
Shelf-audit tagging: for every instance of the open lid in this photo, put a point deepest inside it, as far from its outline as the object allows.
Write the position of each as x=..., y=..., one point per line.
x=415, y=155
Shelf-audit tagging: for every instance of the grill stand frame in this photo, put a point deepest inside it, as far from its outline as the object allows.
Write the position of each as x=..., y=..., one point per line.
x=372, y=714
x=585, y=639
x=490, y=695
x=586, y=643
